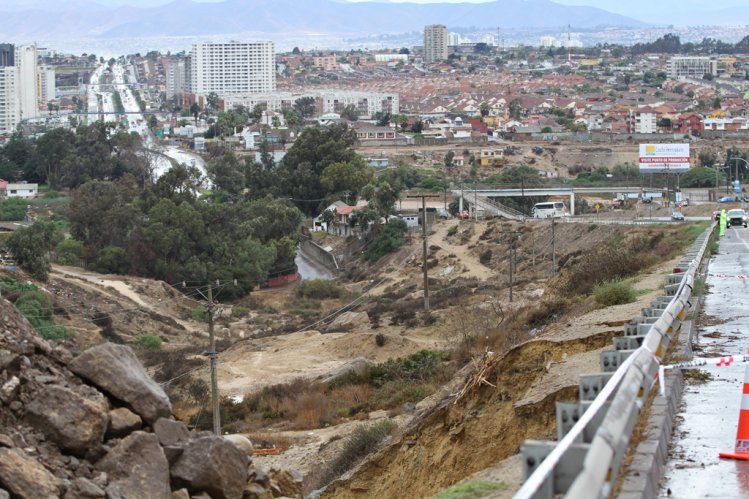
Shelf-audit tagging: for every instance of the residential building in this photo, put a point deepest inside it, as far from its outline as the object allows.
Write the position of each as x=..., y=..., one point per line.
x=175, y=78
x=328, y=101
x=435, y=43
x=9, y=104
x=46, y=89
x=643, y=120
x=691, y=67
x=26, y=62
x=233, y=68
x=21, y=190
x=369, y=133
x=325, y=62
x=7, y=54
x=454, y=39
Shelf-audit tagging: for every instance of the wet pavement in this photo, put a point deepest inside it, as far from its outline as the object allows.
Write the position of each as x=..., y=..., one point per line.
x=708, y=416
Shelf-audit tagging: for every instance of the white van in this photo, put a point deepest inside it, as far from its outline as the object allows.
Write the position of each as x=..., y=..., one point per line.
x=549, y=210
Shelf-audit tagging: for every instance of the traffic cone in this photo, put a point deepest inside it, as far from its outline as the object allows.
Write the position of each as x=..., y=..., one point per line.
x=741, y=451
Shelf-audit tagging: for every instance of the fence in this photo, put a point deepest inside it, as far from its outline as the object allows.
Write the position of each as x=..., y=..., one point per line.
x=594, y=433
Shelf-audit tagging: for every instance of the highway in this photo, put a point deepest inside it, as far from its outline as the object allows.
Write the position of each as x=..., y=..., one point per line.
x=136, y=121
x=707, y=420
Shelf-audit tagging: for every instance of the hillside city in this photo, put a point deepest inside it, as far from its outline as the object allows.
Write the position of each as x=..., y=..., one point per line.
x=375, y=272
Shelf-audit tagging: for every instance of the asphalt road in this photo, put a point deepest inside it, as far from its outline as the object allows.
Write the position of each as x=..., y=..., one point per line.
x=707, y=421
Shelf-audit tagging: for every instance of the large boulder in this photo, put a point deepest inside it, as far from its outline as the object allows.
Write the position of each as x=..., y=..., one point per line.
x=122, y=422
x=74, y=419
x=25, y=478
x=116, y=370
x=244, y=443
x=290, y=483
x=348, y=321
x=136, y=468
x=213, y=465
x=170, y=432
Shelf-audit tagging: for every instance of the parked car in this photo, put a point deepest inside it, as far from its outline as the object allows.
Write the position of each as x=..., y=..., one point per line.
x=677, y=216
x=727, y=199
x=683, y=203
x=736, y=217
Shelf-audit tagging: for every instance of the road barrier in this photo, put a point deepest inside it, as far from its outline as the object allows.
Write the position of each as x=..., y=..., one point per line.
x=594, y=433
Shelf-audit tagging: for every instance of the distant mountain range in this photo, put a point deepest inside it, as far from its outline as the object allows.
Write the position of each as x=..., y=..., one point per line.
x=46, y=19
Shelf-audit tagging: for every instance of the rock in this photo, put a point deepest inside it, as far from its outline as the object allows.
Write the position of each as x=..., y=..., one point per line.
x=256, y=491
x=9, y=389
x=242, y=442
x=213, y=465
x=348, y=320
x=116, y=370
x=4, y=494
x=181, y=494
x=357, y=364
x=9, y=360
x=172, y=453
x=6, y=441
x=171, y=432
x=25, y=478
x=290, y=483
x=259, y=476
x=84, y=488
x=122, y=422
x=73, y=419
x=136, y=468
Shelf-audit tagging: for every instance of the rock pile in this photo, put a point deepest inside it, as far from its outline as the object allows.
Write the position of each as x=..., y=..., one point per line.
x=95, y=425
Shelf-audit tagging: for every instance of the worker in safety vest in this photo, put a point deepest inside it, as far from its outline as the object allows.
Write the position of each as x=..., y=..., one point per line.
x=723, y=220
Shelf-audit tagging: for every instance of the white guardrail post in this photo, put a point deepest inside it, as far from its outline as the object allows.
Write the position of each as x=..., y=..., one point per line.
x=594, y=433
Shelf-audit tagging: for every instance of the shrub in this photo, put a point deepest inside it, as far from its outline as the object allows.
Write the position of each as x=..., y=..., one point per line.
x=239, y=311
x=388, y=238
x=69, y=252
x=452, y=230
x=485, y=257
x=614, y=292
x=199, y=314
x=13, y=209
x=111, y=260
x=55, y=332
x=380, y=340
x=148, y=341
x=51, y=195
x=469, y=490
x=360, y=443
x=319, y=289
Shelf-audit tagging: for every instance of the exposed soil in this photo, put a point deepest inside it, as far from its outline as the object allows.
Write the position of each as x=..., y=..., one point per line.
x=442, y=442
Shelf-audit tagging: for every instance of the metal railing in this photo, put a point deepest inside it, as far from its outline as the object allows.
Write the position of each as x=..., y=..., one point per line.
x=586, y=460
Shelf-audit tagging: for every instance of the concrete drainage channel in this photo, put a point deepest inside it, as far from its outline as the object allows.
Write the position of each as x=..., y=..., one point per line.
x=594, y=434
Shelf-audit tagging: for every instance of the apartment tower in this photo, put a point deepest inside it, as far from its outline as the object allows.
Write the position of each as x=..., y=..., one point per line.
x=435, y=43
x=233, y=68
x=9, y=104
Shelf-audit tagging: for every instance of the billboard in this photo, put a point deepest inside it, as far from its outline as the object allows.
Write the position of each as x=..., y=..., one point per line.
x=664, y=158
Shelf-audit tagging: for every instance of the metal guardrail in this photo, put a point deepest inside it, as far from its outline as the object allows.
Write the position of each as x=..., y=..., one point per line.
x=585, y=462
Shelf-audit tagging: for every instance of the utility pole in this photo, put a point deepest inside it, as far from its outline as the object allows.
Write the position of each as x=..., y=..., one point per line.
x=513, y=260
x=424, y=241
x=553, y=245
x=214, y=374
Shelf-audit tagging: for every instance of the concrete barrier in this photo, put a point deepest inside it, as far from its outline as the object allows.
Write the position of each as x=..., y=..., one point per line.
x=610, y=403
x=319, y=254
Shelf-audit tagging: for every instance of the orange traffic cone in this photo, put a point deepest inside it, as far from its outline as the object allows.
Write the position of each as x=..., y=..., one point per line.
x=741, y=451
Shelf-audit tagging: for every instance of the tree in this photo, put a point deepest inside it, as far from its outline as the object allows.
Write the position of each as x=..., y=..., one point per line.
x=30, y=247
x=328, y=217
x=314, y=150
x=212, y=102
x=484, y=109
x=350, y=112
x=295, y=51
x=716, y=102
x=516, y=108
x=708, y=77
x=305, y=106
x=53, y=148
x=707, y=158
x=226, y=174
x=404, y=51
x=195, y=111
x=383, y=118
x=449, y=157
x=382, y=193
x=702, y=177
x=348, y=176
x=101, y=214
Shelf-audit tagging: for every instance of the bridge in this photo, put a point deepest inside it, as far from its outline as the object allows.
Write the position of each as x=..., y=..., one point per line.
x=487, y=194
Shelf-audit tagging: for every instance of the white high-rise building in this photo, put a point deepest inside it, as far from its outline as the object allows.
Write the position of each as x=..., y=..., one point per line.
x=233, y=68
x=691, y=67
x=454, y=39
x=46, y=84
x=175, y=78
x=26, y=62
x=10, y=112
x=435, y=43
